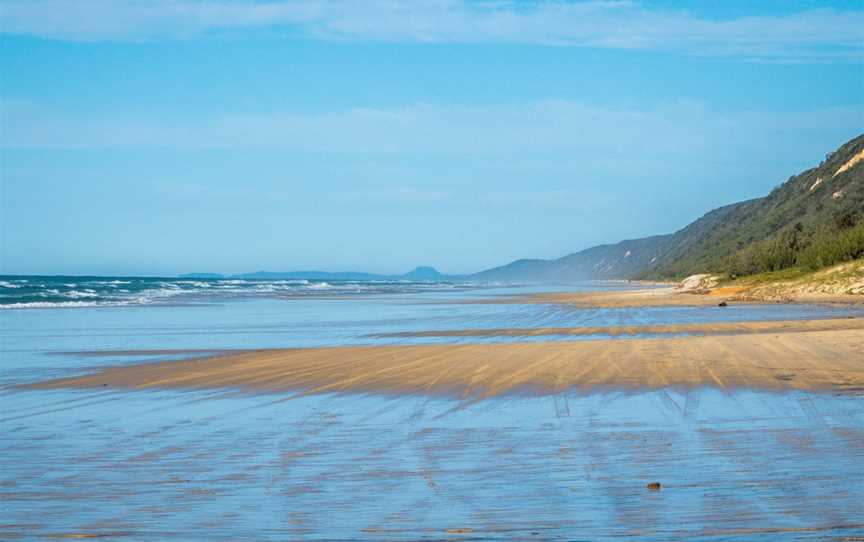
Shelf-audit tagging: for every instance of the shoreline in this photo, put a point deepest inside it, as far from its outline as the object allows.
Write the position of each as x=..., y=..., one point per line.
x=821, y=355
x=837, y=284
x=670, y=297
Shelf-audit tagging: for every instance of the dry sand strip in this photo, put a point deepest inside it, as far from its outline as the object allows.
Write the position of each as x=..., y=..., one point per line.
x=651, y=297
x=807, y=360
x=665, y=297
x=712, y=328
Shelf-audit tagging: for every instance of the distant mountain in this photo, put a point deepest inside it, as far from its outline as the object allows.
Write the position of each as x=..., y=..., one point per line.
x=419, y=274
x=620, y=260
x=812, y=220
x=424, y=273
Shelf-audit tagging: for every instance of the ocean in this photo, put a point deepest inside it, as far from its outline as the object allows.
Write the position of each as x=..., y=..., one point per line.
x=18, y=292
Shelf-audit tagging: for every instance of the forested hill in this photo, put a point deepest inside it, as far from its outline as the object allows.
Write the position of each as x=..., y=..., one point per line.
x=814, y=219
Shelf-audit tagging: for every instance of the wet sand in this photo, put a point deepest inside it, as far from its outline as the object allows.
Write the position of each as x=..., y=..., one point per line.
x=712, y=328
x=670, y=297
x=494, y=441
x=165, y=465
x=650, y=297
x=825, y=355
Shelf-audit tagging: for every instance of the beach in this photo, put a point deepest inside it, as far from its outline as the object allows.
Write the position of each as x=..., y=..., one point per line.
x=442, y=270
x=459, y=415
x=667, y=295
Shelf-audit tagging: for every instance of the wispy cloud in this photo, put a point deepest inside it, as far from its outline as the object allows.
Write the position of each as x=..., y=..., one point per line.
x=812, y=35
x=550, y=128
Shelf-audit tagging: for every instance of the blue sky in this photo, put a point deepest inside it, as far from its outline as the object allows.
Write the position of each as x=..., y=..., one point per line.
x=163, y=137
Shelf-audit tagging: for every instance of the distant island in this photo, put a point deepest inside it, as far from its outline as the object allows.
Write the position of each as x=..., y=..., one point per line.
x=418, y=274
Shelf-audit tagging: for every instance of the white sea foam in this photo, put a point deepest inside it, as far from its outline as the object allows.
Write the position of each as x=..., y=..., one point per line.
x=84, y=293
x=268, y=287
x=319, y=286
x=195, y=283
x=51, y=305
x=172, y=285
x=284, y=282
x=160, y=292
x=51, y=293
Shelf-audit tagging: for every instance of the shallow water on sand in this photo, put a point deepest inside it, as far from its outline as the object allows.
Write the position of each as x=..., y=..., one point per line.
x=187, y=466
x=223, y=465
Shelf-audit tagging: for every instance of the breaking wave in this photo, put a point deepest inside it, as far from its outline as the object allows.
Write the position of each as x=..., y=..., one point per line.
x=18, y=292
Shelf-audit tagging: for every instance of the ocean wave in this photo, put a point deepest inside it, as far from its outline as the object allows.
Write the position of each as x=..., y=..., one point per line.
x=55, y=292
x=7, y=284
x=81, y=293
x=193, y=283
x=319, y=286
x=50, y=304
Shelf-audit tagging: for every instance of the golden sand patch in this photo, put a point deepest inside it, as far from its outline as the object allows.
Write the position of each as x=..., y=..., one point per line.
x=653, y=297
x=828, y=355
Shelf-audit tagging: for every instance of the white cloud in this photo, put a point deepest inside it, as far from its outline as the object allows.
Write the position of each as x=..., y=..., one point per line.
x=798, y=36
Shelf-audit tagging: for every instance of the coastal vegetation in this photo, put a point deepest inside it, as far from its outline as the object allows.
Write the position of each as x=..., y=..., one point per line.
x=813, y=220
x=793, y=249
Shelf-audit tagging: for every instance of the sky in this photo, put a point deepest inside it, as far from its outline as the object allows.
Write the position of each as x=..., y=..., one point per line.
x=169, y=136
